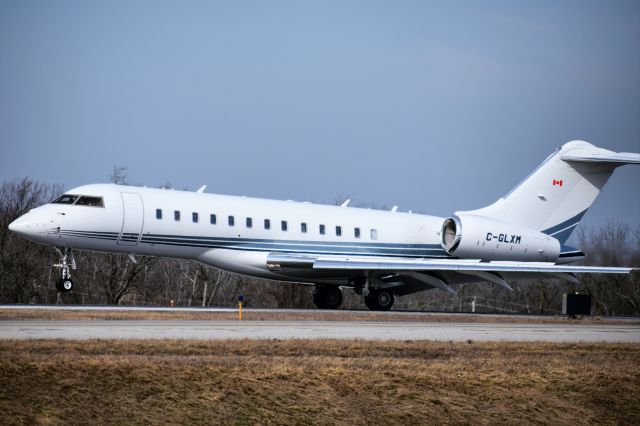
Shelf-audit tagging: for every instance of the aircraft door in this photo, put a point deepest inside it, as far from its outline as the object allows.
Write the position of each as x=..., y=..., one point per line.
x=133, y=219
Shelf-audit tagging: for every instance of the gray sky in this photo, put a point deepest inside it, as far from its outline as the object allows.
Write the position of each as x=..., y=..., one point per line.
x=435, y=106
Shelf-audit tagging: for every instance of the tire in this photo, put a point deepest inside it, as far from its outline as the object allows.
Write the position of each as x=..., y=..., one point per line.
x=379, y=300
x=64, y=285
x=327, y=297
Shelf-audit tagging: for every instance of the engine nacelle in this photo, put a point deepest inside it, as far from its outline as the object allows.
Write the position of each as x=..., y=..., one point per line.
x=476, y=237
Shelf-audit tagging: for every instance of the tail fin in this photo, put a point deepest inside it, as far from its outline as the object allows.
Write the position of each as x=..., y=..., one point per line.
x=555, y=196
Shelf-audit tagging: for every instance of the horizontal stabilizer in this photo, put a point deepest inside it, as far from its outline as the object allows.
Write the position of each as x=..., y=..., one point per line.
x=584, y=156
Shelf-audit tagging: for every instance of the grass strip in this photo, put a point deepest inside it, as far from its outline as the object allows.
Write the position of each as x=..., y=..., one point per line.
x=317, y=382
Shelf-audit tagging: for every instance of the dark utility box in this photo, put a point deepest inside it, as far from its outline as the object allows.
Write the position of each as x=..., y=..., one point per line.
x=576, y=304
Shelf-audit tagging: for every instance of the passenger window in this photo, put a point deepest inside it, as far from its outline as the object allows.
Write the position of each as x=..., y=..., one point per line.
x=249, y=222
x=338, y=231
x=158, y=213
x=231, y=221
x=212, y=219
x=356, y=232
x=374, y=234
x=267, y=224
x=65, y=199
x=283, y=225
x=176, y=215
x=303, y=227
x=90, y=201
x=194, y=217
x=321, y=229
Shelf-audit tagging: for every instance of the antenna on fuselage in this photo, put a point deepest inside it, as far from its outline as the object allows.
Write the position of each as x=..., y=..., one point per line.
x=201, y=189
x=346, y=202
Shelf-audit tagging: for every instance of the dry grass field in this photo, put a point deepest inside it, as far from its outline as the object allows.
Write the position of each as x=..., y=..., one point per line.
x=299, y=315
x=317, y=382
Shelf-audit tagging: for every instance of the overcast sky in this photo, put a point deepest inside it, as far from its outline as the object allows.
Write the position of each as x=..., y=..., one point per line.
x=434, y=106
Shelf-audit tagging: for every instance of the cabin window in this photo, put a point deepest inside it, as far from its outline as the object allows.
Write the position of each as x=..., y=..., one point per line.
x=338, y=231
x=321, y=229
x=303, y=228
x=249, y=222
x=176, y=215
x=213, y=219
x=374, y=234
x=283, y=225
x=90, y=201
x=65, y=199
x=194, y=217
x=267, y=224
x=231, y=221
x=356, y=232
x=158, y=213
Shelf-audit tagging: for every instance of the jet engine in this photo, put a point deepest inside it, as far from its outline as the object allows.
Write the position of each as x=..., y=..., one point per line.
x=469, y=236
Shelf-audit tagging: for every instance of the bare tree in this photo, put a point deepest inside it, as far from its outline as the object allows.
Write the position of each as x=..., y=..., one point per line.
x=23, y=265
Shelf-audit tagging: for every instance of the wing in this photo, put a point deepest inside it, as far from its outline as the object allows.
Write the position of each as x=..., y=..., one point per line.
x=395, y=264
x=433, y=272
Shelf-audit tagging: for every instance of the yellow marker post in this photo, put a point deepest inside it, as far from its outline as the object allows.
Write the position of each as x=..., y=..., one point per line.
x=240, y=300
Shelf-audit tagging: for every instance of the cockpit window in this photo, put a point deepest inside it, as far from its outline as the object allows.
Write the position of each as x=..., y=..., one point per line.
x=90, y=201
x=79, y=200
x=65, y=199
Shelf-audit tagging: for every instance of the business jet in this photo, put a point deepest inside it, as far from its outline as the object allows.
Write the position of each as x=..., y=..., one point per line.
x=380, y=254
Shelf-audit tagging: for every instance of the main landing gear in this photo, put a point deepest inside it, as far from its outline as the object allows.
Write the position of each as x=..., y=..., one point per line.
x=67, y=262
x=376, y=298
x=379, y=299
x=327, y=297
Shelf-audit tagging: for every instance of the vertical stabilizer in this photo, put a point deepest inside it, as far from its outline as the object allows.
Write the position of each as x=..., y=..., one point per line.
x=555, y=196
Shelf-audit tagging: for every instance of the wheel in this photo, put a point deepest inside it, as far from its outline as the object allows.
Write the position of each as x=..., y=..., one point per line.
x=379, y=300
x=327, y=297
x=64, y=285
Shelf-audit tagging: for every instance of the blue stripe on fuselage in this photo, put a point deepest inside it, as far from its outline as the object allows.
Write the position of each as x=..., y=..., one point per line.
x=268, y=245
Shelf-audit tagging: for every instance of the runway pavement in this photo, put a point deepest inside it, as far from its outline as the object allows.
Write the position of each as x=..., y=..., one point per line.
x=170, y=329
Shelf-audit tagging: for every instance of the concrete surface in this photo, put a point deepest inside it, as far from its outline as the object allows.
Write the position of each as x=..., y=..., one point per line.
x=170, y=329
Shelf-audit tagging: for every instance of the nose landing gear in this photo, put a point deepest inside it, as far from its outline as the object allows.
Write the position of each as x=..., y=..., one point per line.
x=67, y=262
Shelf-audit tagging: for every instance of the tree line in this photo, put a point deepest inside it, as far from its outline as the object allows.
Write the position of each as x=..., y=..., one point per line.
x=27, y=274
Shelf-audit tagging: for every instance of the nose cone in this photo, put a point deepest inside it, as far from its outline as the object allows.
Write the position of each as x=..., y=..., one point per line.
x=26, y=226
x=20, y=226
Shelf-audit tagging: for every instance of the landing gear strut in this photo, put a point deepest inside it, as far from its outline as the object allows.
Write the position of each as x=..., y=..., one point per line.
x=67, y=262
x=327, y=297
x=376, y=297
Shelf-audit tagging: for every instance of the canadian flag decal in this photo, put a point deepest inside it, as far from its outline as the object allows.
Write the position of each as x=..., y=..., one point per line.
x=557, y=182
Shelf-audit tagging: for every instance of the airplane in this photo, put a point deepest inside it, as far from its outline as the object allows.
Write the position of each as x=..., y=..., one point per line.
x=379, y=254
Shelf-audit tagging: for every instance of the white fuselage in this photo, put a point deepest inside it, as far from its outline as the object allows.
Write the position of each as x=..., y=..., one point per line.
x=143, y=221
